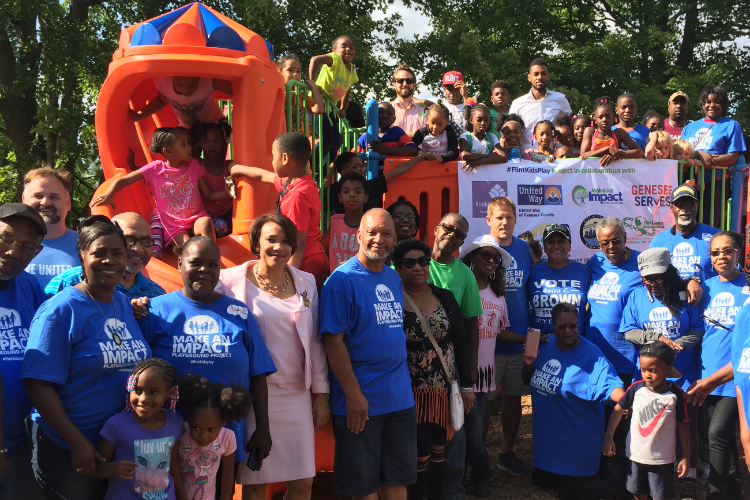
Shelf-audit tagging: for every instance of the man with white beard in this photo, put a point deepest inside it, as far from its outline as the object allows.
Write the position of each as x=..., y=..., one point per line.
x=47, y=191
x=687, y=241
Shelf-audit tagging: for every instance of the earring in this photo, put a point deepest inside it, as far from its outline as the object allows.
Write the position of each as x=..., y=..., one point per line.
x=173, y=400
x=129, y=387
x=471, y=266
x=492, y=276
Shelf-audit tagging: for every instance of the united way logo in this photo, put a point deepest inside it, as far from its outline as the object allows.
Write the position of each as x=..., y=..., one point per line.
x=552, y=367
x=610, y=278
x=482, y=193
x=201, y=325
x=553, y=195
x=659, y=314
x=724, y=299
x=683, y=249
x=384, y=293
x=533, y=194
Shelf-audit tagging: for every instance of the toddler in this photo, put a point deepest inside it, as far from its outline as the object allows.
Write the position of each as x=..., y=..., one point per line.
x=212, y=138
x=659, y=146
x=137, y=444
x=206, y=444
x=191, y=98
x=437, y=139
x=659, y=415
x=604, y=140
x=476, y=147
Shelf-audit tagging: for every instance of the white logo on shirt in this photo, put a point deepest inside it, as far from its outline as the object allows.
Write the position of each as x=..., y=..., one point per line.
x=203, y=339
x=683, y=249
x=546, y=379
x=744, y=366
x=12, y=337
x=706, y=237
x=387, y=310
x=122, y=351
x=236, y=310
x=201, y=325
x=513, y=264
x=609, y=278
x=724, y=299
x=552, y=367
x=384, y=293
x=659, y=314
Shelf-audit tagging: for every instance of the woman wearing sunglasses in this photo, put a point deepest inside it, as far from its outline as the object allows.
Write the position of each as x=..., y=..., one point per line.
x=570, y=380
x=658, y=310
x=431, y=380
x=715, y=393
x=488, y=261
x=557, y=279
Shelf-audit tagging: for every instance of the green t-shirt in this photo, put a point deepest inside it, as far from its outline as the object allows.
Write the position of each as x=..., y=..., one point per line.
x=459, y=279
x=336, y=80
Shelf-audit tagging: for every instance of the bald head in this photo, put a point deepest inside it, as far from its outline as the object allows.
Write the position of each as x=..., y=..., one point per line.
x=376, y=237
x=138, y=235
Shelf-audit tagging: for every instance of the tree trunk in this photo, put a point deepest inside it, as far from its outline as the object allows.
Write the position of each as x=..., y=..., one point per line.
x=689, y=35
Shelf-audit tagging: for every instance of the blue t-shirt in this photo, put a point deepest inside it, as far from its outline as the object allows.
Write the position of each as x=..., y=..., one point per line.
x=639, y=134
x=88, y=356
x=18, y=304
x=568, y=389
x=548, y=287
x=722, y=300
x=516, y=278
x=610, y=287
x=724, y=137
x=151, y=450
x=142, y=287
x=741, y=357
x=58, y=255
x=689, y=251
x=641, y=313
x=367, y=307
x=220, y=340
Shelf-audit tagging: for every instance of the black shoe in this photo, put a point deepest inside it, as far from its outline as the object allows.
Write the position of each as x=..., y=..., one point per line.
x=481, y=489
x=687, y=489
x=511, y=463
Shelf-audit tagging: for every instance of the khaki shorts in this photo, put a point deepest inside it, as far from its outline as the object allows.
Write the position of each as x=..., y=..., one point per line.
x=508, y=368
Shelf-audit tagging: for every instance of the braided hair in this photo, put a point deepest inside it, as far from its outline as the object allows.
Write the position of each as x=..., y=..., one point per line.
x=166, y=370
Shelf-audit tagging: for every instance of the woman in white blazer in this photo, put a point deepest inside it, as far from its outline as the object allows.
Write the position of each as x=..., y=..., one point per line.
x=284, y=301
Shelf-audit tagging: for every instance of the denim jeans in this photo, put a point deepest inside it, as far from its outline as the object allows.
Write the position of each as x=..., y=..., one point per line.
x=455, y=466
x=18, y=481
x=719, y=416
x=56, y=475
x=476, y=450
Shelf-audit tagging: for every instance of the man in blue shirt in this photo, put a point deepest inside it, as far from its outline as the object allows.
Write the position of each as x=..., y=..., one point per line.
x=47, y=191
x=134, y=285
x=372, y=404
x=687, y=241
x=21, y=234
x=501, y=217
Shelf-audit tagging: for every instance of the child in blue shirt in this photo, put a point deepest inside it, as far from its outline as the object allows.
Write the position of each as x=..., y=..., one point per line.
x=393, y=140
x=626, y=109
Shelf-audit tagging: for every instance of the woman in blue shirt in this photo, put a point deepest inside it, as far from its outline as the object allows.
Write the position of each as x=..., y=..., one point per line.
x=741, y=364
x=724, y=297
x=82, y=344
x=570, y=380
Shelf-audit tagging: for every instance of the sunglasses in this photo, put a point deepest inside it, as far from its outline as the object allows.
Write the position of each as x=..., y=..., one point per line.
x=403, y=216
x=490, y=257
x=652, y=281
x=723, y=251
x=610, y=243
x=409, y=81
x=422, y=261
x=453, y=229
x=569, y=326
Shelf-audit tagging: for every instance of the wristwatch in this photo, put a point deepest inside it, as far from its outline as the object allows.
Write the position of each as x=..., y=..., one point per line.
x=695, y=278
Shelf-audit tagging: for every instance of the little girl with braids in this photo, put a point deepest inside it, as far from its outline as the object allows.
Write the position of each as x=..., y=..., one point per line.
x=137, y=443
x=477, y=147
x=603, y=141
x=206, y=443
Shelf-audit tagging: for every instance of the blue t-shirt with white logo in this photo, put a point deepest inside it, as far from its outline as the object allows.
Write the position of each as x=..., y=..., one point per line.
x=722, y=300
x=725, y=136
x=367, y=307
x=689, y=251
x=18, y=304
x=639, y=134
x=547, y=287
x=57, y=256
x=516, y=278
x=568, y=389
x=220, y=340
x=81, y=347
x=741, y=357
x=654, y=316
x=610, y=287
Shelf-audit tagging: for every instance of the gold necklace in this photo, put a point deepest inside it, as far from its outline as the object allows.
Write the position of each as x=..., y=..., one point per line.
x=115, y=336
x=266, y=285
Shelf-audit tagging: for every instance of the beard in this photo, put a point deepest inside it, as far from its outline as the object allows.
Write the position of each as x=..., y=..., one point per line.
x=374, y=256
x=49, y=218
x=684, y=218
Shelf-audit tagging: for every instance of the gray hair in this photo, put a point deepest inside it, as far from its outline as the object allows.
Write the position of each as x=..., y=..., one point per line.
x=610, y=222
x=455, y=214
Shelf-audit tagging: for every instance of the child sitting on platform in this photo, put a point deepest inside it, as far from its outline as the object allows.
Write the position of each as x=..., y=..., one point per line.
x=341, y=237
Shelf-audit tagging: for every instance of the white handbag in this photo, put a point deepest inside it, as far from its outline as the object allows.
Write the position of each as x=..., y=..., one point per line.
x=455, y=402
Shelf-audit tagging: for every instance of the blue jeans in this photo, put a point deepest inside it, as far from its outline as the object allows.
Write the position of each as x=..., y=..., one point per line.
x=56, y=475
x=455, y=466
x=18, y=481
x=476, y=451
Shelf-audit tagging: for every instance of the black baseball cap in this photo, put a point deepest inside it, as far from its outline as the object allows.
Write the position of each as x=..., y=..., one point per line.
x=23, y=210
x=551, y=229
x=662, y=351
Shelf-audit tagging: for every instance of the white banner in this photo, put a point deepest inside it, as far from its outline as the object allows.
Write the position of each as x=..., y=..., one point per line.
x=574, y=192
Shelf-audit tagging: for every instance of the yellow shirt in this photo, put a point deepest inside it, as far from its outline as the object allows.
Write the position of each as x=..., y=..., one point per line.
x=336, y=80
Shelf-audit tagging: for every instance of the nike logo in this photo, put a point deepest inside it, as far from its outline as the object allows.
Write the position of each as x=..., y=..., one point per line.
x=646, y=431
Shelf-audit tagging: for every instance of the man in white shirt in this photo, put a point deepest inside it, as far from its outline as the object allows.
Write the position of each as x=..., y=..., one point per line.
x=540, y=103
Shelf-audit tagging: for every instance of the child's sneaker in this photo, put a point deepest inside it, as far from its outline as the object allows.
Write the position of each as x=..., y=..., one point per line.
x=687, y=489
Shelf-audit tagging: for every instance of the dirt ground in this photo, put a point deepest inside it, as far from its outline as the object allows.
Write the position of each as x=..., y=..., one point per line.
x=504, y=485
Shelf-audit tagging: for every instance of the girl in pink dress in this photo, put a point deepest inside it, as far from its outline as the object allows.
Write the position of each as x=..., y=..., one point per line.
x=212, y=140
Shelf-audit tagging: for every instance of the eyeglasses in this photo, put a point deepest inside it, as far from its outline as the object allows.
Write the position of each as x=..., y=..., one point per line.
x=409, y=81
x=356, y=168
x=610, y=243
x=7, y=242
x=453, y=229
x=145, y=242
x=403, y=216
x=422, y=261
x=652, y=281
x=569, y=326
x=723, y=251
x=490, y=257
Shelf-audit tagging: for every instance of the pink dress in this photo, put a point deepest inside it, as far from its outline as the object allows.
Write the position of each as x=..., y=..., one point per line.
x=200, y=106
x=177, y=196
x=216, y=183
x=289, y=401
x=199, y=465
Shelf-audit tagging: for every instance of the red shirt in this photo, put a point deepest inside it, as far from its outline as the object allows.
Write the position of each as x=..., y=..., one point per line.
x=301, y=203
x=674, y=132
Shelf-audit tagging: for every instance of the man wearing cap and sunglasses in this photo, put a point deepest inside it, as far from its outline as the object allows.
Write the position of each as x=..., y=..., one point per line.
x=22, y=230
x=410, y=115
x=677, y=106
x=688, y=241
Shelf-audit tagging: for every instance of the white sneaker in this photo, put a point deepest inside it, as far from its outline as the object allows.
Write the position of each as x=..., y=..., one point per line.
x=705, y=470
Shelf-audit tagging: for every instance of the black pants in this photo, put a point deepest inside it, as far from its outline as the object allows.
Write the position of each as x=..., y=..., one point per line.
x=606, y=484
x=718, y=423
x=621, y=432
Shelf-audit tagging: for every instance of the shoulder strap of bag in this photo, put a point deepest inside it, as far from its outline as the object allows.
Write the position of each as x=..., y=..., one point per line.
x=429, y=334
x=704, y=135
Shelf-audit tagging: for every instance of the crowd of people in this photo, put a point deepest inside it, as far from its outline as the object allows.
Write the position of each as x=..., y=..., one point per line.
x=637, y=363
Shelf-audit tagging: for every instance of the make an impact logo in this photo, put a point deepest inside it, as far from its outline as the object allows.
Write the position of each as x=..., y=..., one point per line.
x=533, y=194
x=387, y=310
x=601, y=196
x=482, y=193
x=587, y=231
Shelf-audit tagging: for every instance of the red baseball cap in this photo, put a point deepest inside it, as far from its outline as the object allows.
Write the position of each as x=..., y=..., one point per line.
x=451, y=77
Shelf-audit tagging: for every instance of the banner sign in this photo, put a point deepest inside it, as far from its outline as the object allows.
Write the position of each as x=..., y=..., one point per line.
x=574, y=192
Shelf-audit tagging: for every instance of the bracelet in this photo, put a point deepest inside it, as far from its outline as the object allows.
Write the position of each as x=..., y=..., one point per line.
x=3, y=450
x=467, y=389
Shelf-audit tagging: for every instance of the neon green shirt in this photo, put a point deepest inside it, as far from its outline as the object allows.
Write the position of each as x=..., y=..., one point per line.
x=459, y=279
x=336, y=80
